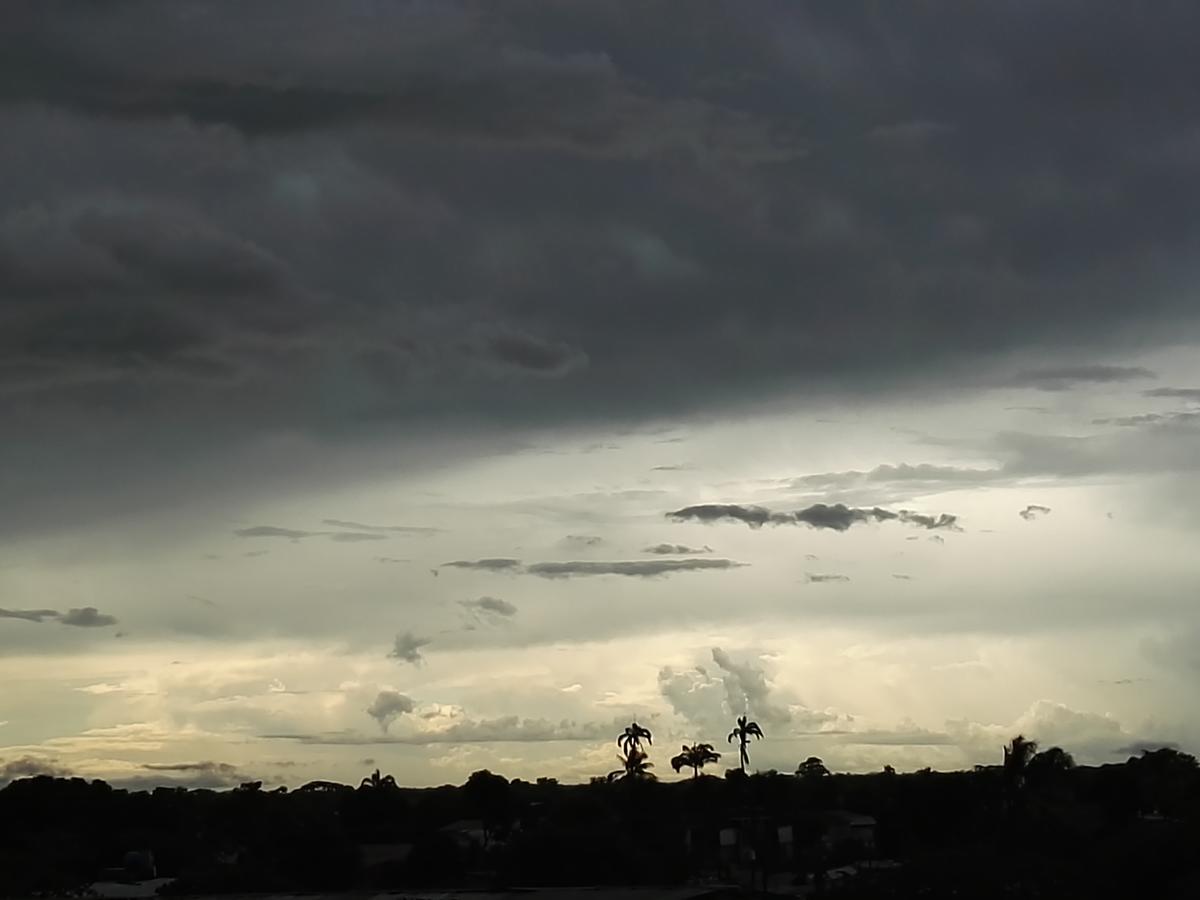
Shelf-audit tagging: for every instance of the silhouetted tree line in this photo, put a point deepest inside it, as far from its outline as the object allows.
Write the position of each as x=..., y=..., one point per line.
x=1035, y=825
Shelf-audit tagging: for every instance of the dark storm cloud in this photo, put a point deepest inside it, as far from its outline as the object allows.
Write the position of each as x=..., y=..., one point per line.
x=112, y=289
x=637, y=568
x=835, y=517
x=407, y=648
x=87, y=617
x=30, y=615
x=493, y=564
x=279, y=218
x=676, y=549
x=1066, y=377
x=531, y=355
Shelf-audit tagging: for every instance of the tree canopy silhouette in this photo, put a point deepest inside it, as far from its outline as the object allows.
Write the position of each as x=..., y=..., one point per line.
x=813, y=767
x=695, y=757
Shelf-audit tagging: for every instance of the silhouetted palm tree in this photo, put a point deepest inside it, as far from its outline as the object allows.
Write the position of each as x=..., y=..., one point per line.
x=743, y=732
x=696, y=756
x=1017, y=755
x=631, y=738
x=635, y=764
x=378, y=782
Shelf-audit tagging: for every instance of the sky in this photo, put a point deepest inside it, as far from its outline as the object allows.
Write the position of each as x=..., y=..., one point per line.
x=439, y=386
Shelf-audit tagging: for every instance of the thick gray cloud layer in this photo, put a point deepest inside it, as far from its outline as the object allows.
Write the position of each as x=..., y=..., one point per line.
x=289, y=219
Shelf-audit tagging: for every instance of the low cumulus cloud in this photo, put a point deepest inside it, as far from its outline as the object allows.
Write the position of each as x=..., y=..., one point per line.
x=583, y=541
x=389, y=706
x=638, y=568
x=87, y=617
x=354, y=537
x=1062, y=378
x=489, y=608
x=358, y=532
x=835, y=517
x=206, y=766
x=501, y=729
x=1034, y=511
x=1140, y=748
x=676, y=549
x=754, y=516
x=492, y=564
x=390, y=529
x=30, y=615
x=407, y=648
x=77, y=617
x=30, y=767
x=632, y=568
x=1176, y=393
x=709, y=698
x=192, y=775
x=274, y=531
